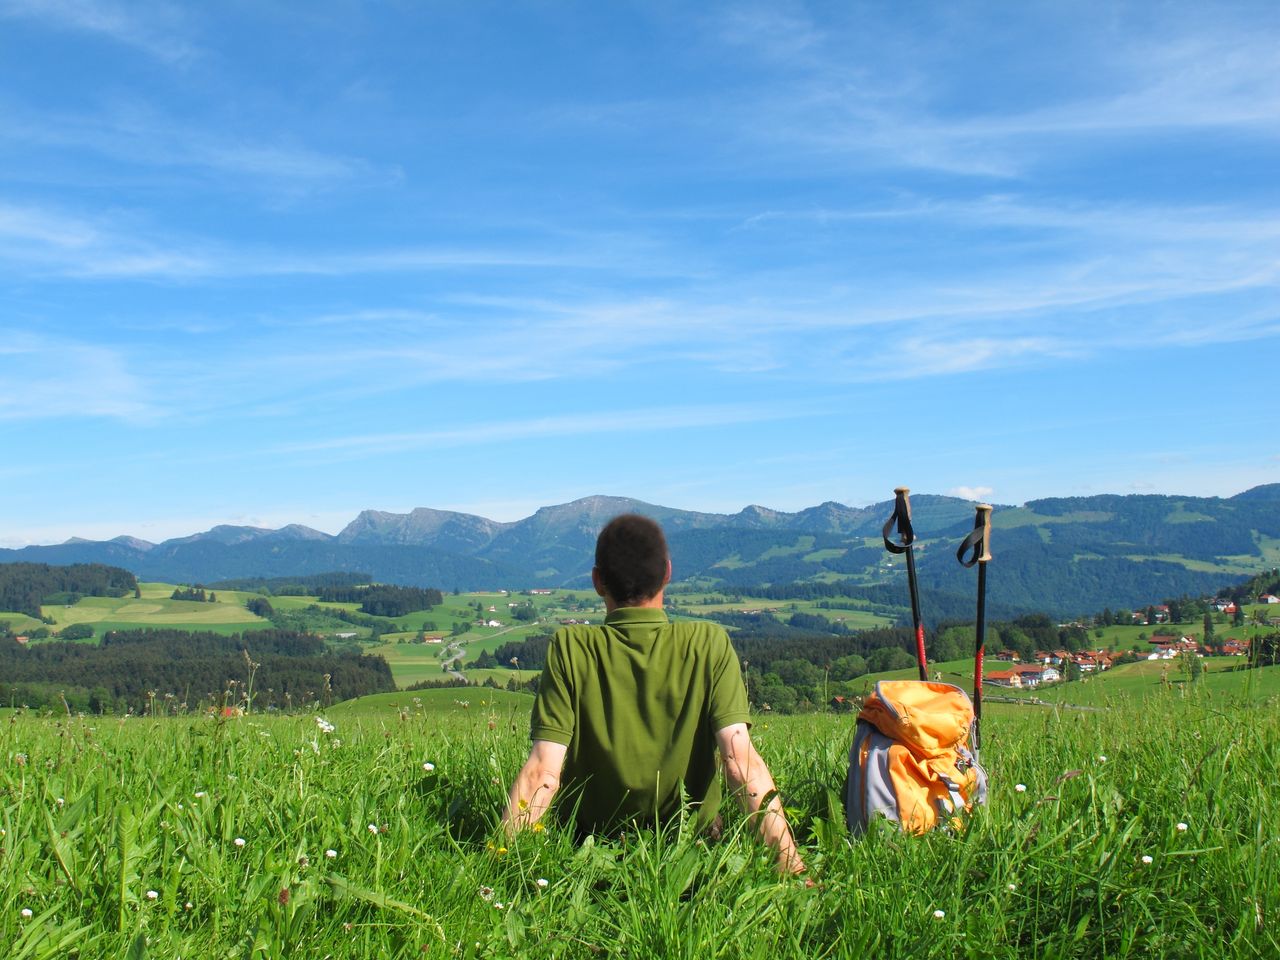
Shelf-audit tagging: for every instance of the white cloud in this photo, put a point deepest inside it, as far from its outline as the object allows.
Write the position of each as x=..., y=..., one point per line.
x=971, y=493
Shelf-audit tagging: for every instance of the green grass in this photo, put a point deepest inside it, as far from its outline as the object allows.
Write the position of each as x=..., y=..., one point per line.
x=155, y=610
x=98, y=814
x=20, y=622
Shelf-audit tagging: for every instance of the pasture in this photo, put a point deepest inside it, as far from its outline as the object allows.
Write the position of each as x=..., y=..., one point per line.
x=154, y=609
x=1146, y=829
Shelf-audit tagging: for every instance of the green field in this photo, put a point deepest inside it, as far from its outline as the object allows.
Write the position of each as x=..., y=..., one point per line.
x=1142, y=830
x=154, y=609
x=20, y=622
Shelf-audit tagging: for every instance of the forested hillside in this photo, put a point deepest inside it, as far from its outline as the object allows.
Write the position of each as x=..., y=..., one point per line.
x=130, y=669
x=25, y=586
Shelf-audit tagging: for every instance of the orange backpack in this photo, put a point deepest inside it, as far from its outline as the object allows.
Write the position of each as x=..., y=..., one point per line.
x=910, y=761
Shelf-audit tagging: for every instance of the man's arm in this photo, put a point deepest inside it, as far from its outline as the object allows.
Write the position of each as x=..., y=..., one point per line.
x=534, y=786
x=751, y=781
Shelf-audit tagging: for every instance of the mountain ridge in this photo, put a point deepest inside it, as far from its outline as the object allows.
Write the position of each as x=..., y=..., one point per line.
x=1057, y=553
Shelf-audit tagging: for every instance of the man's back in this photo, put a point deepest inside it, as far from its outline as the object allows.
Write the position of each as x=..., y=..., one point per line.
x=638, y=702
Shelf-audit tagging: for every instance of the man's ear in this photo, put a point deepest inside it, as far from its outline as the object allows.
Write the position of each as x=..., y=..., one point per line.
x=598, y=582
x=667, y=577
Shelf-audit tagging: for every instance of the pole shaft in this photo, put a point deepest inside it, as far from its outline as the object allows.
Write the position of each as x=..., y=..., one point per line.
x=916, y=620
x=980, y=649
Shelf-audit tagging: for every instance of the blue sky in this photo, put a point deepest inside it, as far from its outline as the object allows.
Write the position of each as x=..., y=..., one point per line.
x=278, y=262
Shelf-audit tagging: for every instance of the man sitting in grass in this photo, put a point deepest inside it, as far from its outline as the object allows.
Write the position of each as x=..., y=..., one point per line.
x=629, y=715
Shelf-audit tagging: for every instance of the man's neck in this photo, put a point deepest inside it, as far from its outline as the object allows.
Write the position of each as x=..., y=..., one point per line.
x=653, y=602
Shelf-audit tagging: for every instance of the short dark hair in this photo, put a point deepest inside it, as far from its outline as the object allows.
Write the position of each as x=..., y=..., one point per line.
x=631, y=558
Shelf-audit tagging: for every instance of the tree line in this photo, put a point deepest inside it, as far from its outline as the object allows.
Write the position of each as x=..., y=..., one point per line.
x=134, y=670
x=196, y=593
x=300, y=586
x=25, y=586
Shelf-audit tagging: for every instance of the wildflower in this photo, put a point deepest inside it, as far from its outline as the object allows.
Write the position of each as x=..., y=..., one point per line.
x=538, y=827
x=939, y=914
x=239, y=842
x=26, y=913
x=1182, y=827
x=20, y=759
x=1102, y=759
x=486, y=893
x=1012, y=887
x=1021, y=787
x=187, y=905
x=199, y=794
x=428, y=766
x=283, y=896
x=324, y=725
x=152, y=895
x=59, y=801
x=304, y=861
x=331, y=854
x=542, y=882
x=1146, y=858
x=373, y=828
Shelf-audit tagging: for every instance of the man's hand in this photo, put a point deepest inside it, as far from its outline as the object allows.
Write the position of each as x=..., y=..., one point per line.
x=534, y=786
x=750, y=780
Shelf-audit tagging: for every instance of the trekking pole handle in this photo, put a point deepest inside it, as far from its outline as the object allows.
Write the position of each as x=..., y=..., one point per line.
x=902, y=520
x=979, y=540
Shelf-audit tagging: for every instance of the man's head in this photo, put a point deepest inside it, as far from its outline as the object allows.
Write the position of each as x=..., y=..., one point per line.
x=632, y=564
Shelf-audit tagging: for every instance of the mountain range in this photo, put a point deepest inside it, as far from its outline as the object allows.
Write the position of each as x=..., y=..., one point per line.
x=1061, y=555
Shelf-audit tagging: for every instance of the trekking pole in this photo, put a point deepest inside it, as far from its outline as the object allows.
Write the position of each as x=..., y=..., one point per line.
x=906, y=536
x=978, y=543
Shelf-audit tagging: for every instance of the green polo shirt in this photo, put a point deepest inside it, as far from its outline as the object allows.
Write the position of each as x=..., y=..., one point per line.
x=638, y=702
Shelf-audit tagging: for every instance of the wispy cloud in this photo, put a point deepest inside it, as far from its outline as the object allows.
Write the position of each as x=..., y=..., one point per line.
x=144, y=138
x=155, y=30
x=631, y=422
x=868, y=89
x=47, y=378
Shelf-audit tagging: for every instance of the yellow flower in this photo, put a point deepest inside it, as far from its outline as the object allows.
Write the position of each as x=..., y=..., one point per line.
x=538, y=827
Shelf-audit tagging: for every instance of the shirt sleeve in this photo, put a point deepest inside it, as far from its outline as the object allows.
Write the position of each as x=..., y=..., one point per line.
x=728, y=693
x=553, y=715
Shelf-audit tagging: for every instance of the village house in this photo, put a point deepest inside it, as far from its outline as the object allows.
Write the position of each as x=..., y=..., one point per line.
x=1033, y=676
x=1269, y=598
x=1090, y=662
x=1167, y=647
x=1002, y=678
x=1008, y=656
x=1054, y=658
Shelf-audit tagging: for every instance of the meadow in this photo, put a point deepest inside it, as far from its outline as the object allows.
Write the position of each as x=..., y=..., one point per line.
x=1147, y=828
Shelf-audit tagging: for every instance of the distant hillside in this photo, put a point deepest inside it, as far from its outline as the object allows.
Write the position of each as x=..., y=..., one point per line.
x=1062, y=555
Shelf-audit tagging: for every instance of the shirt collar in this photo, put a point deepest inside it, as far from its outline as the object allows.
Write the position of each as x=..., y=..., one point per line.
x=637, y=615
